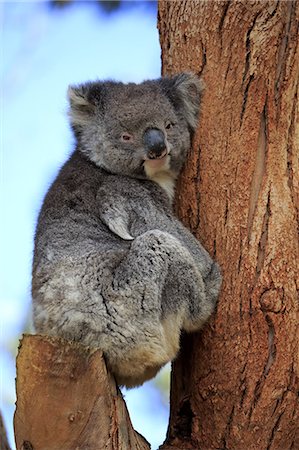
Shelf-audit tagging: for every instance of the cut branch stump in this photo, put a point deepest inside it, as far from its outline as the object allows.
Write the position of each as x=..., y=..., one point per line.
x=67, y=400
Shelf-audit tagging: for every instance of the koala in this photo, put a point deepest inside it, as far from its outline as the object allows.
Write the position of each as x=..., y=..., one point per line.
x=113, y=267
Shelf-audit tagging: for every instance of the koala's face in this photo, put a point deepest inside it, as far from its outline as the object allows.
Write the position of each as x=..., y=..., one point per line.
x=136, y=129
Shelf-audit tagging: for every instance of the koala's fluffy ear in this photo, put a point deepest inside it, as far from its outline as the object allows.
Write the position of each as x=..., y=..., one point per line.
x=184, y=91
x=80, y=107
x=84, y=100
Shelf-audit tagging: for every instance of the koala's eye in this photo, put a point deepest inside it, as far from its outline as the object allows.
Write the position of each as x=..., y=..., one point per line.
x=126, y=137
x=169, y=125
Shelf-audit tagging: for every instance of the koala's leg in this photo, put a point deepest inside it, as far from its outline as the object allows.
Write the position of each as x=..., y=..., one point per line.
x=166, y=293
x=185, y=287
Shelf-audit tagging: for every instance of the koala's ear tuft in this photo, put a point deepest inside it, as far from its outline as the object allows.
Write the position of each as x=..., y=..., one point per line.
x=185, y=92
x=84, y=99
x=80, y=107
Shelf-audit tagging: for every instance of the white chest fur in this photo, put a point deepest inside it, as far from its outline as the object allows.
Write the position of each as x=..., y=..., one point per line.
x=162, y=175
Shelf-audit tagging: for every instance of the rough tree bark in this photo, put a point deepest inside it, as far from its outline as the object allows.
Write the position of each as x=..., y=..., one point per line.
x=235, y=386
x=66, y=400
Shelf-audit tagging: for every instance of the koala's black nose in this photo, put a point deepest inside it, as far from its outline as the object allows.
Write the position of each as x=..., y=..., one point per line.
x=154, y=142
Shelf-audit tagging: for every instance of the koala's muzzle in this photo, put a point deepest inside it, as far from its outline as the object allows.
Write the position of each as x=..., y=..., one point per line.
x=154, y=143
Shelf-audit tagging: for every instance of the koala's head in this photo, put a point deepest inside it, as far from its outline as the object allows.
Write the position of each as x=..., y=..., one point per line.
x=136, y=129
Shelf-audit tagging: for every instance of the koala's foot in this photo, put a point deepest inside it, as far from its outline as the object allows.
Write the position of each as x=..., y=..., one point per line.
x=198, y=316
x=213, y=283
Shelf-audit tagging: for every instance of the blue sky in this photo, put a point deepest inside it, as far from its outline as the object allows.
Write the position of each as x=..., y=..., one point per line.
x=43, y=50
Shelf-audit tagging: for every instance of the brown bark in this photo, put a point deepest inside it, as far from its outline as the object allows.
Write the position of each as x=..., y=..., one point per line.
x=235, y=386
x=66, y=400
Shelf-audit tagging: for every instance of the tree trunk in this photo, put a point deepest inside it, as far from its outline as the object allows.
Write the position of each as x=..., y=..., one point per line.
x=66, y=400
x=235, y=385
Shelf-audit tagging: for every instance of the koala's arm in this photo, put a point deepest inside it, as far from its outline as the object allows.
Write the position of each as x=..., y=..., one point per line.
x=114, y=211
x=117, y=219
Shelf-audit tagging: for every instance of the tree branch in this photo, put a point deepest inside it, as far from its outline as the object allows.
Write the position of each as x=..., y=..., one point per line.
x=66, y=399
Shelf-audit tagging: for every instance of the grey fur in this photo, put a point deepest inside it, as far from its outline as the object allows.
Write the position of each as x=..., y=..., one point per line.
x=113, y=267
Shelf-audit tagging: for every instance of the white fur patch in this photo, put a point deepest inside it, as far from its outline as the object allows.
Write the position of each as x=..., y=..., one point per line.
x=162, y=175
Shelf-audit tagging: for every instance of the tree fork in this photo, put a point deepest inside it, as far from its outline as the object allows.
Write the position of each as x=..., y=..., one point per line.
x=67, y=400
x=235, y=385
